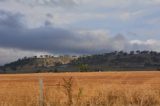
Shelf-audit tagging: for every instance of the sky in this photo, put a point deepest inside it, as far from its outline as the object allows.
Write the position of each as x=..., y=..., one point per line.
x=77, y=27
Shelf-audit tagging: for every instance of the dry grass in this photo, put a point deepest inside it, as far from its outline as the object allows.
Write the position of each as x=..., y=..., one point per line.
x=83, y=89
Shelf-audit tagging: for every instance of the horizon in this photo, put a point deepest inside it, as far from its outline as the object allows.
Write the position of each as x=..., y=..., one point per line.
x=77, y=27
x=70, y=55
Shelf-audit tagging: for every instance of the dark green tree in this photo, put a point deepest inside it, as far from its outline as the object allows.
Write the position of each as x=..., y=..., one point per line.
x=83, y=67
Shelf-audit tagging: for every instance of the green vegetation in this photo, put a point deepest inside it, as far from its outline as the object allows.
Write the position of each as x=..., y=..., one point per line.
x=83, y=67
x=134, y=60
x=36, y=64
x=139, y=60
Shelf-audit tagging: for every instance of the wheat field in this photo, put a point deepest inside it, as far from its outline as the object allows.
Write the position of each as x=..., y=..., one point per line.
x=81, y=89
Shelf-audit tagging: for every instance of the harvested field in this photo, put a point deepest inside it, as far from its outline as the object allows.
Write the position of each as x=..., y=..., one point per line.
x=84, y=89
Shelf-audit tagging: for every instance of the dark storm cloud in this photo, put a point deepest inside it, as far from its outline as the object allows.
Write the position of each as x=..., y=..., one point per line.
x=10, y=20
x=14, y=34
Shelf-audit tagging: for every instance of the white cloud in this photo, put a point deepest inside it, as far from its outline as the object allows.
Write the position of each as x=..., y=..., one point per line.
x=147, y=42
x=150, y=44
x=9, y=54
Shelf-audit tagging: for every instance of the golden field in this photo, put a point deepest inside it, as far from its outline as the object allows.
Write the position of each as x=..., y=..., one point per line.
x=84, y=89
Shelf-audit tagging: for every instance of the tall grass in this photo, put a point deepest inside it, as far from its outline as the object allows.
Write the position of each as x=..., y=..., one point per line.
x=110, y=95
x=68, y=87
x=71, y=91
x=69, y=95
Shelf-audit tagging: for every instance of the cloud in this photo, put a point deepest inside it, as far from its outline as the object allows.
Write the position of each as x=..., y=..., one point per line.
x=51, y=3
x=9, y=20
x=8, y=55
x=14, y=34
x=150, y=44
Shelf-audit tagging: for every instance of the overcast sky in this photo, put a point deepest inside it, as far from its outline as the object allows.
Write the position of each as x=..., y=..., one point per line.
x=34, y=27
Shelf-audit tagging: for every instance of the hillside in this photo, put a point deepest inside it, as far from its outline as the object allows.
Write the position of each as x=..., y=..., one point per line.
x=37, y=64
x=134, y=60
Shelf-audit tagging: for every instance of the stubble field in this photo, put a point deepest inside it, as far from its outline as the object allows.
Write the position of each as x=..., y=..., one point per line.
x=81, y=89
